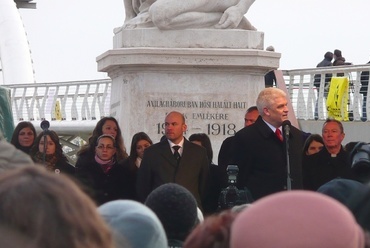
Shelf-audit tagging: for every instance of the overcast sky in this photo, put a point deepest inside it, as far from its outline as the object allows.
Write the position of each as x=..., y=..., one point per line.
x=66, y=36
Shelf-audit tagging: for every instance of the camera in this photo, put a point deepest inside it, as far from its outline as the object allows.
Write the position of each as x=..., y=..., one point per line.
x=360, y=161
x=232, y=174
x=232, y=196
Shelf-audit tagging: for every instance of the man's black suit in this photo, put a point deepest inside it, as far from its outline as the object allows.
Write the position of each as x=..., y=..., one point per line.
x=261, y=158
x=159, y=166
x=321, y=167
x=226, y=153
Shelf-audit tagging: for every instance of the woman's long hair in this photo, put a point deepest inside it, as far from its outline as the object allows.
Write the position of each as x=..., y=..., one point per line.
x=54, y=137
x=97, y=132
x=18, y=128
x=135, y=139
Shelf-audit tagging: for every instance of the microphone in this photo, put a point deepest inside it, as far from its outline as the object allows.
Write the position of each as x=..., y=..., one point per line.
x=286, y=127
x=45, y=125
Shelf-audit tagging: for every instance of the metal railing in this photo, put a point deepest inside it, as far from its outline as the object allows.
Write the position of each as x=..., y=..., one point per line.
x=66, y=101
x=304, y=95
x=75, y=107
x=90, y=100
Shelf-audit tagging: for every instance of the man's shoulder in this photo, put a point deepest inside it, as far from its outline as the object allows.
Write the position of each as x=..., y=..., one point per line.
x=343, y=153
x=256, y=129
x=321, y=155
x=299, y=133
x=155, y=145
x=245, y=130
x=324, y=63
x=228, y=140
x=191, y=145
x=192, y=148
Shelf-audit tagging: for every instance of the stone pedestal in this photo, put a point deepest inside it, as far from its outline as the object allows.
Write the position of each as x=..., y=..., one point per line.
x=190, y=71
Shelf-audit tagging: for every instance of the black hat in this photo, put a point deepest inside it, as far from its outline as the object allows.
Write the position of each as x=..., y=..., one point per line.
x=175, y=207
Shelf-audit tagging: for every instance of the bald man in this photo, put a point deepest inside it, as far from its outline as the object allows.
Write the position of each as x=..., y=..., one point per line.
x=160, y=164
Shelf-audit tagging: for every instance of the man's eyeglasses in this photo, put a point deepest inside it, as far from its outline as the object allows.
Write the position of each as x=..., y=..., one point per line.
x=101, y=147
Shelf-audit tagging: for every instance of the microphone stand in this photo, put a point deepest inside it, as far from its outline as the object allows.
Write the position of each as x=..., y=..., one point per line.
x=45, y=127
x=44, y=153
x=289, y=179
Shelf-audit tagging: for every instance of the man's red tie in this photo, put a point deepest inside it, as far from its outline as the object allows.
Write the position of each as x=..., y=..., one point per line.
x=278, y=134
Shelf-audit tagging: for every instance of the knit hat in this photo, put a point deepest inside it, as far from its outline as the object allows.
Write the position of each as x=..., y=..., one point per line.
x=176, y=208
x=343, y=190
x=135, y=222
x=293, y=219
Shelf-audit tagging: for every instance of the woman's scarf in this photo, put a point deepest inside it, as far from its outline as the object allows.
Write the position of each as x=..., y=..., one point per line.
x=50, y=160
x=106, y=165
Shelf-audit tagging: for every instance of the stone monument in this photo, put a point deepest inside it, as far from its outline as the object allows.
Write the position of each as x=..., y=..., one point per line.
x=211, y=74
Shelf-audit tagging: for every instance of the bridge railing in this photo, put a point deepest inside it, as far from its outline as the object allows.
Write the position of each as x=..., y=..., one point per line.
x=64, y=101
x=74, y=107
x=90, y=100
x=304, y=95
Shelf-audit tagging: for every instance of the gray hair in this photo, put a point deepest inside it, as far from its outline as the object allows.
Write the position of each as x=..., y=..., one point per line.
x=267, y=97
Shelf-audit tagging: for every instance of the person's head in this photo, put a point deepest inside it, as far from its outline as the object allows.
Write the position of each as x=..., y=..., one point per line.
x=272, y=105
x=24, y=135
x=333, y=134
x=328, y=56
x=202, y=139
x=176, y=208
x=14, y=238
x=52, y=144
x=296, y=219
x=50, y=210
x=251, y=116
x=140, y=141
x=343, y=190
x=105, y=147
x=337, y=53
x=270, y=49
x=313, y=144
x=175, y=126
x=107, y=125
x=213, y=232
x=134, y=222
x=12, y=158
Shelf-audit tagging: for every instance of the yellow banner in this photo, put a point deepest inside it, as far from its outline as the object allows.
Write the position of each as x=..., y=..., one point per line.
x=337, y=101
x=57, y=111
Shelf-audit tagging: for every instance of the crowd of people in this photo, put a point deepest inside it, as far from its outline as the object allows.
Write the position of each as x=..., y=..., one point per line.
x=304, y=188
x=336, y=59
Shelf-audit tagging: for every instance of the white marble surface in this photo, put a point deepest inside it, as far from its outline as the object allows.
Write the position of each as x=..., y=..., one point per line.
x=212, y=87
x=244, y=59
x=188, y=38
x=179, y=14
